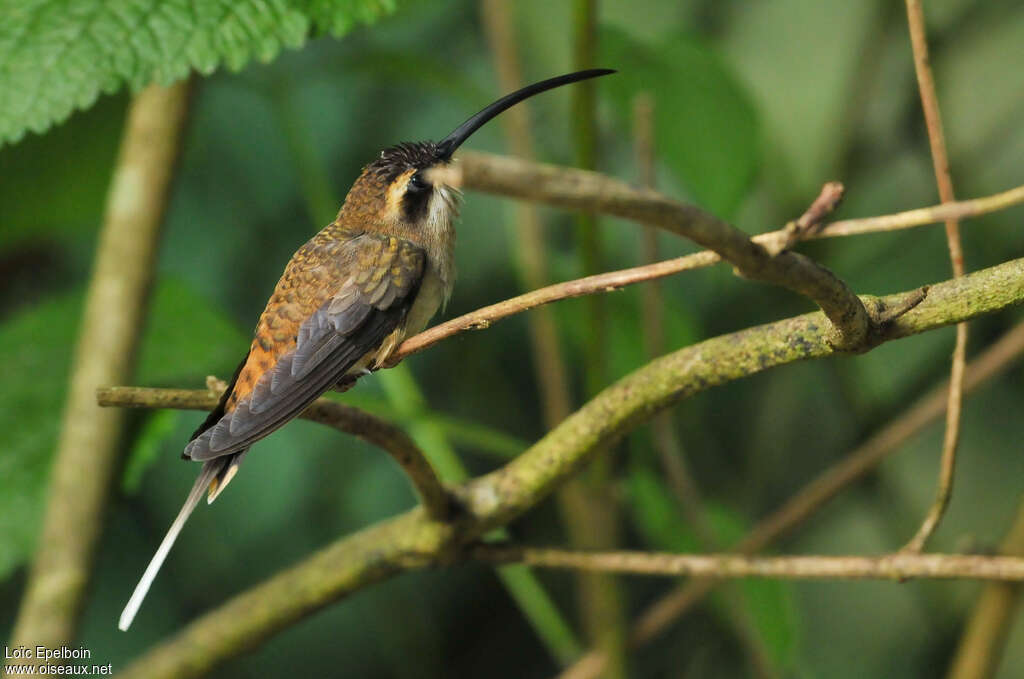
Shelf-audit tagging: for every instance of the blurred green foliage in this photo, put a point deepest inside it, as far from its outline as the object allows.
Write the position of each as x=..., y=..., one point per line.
x=756, y=104
x=42, y=339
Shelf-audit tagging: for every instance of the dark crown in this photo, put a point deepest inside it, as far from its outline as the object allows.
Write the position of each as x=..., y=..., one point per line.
x=399, y=158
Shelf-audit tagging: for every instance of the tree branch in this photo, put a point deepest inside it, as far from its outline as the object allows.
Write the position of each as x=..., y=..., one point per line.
x=614, y=280
x=344, y=418
x=580, y=190
x=940, y=161
x=499, y=496
x=593, y=192
x=114, y=311
x=896, y=566
x=923, y=216
x=483, y=171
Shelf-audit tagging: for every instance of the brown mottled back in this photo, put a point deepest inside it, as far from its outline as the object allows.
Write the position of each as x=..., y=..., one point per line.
x=305, y=285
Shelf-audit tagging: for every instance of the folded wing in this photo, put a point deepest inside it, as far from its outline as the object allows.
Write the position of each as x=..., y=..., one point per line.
x=375, y=279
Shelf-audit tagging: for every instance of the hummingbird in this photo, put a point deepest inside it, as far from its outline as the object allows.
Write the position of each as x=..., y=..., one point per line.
x=346, y=300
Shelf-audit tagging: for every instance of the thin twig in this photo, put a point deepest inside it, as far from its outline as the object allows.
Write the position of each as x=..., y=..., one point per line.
x=668, y=609
x=592, y=514
x=811, y=221
x=484, y=317
x=583, y=114
x=112, y=320
x=344, y=418
x=933, y=122
x=940, y=161
x=924, y=216
x=898, y=566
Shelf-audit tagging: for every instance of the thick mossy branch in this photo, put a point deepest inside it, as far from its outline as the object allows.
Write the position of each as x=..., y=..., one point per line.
x=412, y=540
x=507, y=492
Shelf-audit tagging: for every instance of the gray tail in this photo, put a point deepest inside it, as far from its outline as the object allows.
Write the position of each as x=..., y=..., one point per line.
x=211, y=470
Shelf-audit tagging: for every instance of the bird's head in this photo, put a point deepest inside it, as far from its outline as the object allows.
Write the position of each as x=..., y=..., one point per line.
x=405, y=192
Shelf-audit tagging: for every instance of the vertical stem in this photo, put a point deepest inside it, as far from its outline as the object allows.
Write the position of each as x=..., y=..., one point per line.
x=940, y=161
x=592, y=515
x=665, y=437
x=981, y=647
x=549, y=364
x=86, y=457
x=666, y=441
x=644, y=157
x=585, y=143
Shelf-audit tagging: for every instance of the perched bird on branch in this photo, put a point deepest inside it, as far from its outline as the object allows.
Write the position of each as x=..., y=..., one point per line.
x=347, y=299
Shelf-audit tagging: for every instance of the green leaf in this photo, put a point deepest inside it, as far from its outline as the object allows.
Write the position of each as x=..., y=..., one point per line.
x=656, y=512
x=338, y=17
x=57, y=56
x=774, y=615
x=706, y=128
x=770, y=603
x=40, y=341
x=540, y=610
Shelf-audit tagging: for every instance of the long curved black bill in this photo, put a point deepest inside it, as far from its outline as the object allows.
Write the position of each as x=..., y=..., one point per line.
x=446, y=147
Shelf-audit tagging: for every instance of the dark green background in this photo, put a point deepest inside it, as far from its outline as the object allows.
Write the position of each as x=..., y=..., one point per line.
x=758, y=103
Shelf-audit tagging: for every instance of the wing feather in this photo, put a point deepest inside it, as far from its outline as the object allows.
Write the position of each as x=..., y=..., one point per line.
x=347, y=326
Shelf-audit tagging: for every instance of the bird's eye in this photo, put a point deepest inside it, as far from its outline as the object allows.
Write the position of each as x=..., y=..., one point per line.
x=417, y=183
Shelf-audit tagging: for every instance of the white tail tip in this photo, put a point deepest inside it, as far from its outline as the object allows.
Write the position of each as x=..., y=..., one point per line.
x=210, y=470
